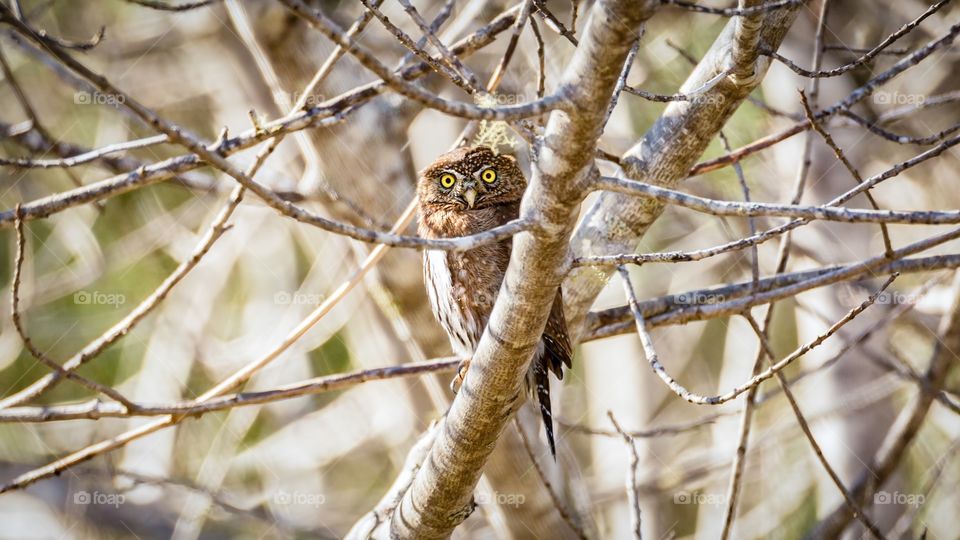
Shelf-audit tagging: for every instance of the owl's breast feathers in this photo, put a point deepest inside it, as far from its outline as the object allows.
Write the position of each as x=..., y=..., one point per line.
x=463, y=286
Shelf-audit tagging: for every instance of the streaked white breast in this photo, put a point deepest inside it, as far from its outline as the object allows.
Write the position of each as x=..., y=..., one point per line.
x=460, y=326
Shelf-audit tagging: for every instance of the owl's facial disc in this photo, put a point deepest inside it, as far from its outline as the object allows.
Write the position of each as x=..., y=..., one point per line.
x=471, y=179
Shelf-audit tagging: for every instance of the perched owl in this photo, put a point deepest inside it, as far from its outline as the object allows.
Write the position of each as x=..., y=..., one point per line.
x=463, y=192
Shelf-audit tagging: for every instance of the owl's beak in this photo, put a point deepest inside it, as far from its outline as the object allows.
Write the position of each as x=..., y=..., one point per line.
x=470, y=195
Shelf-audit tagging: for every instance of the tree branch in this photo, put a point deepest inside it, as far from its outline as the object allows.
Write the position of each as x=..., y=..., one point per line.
x=440, y=497
x=615, y=223
x=908, y=423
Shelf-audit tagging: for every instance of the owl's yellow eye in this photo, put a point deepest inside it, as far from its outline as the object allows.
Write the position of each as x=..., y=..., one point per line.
x=447, y=180
x=488, y=176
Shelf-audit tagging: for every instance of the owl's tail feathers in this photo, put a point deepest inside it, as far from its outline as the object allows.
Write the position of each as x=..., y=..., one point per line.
x=541, y=381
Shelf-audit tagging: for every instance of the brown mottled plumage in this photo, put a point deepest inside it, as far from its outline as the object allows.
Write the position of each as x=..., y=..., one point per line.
x=466, y=191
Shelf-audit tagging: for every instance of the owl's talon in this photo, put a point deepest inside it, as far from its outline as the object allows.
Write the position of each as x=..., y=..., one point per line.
x=457, y=381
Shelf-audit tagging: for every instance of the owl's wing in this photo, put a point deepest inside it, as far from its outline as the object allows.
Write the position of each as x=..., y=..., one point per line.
x=556, y=341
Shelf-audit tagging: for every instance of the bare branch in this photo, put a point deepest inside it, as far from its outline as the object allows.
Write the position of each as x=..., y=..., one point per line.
x=513, y=112
x=785, y=387
x=633, y=491
x=685, y=307
x=907, y=424
x=856, y=96
x=897, y=138
x=96, y=409
x=756, y=8
x=557, y=503
x=868, y=56
x=846, y=163
x=731, y=208
x=697, y=399
x=614, y=223
x=328, y=113
x=614, y=260
x=85, y=157
x=28, y=343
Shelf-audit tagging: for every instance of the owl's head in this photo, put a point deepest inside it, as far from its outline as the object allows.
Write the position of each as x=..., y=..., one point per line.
x=471, y=178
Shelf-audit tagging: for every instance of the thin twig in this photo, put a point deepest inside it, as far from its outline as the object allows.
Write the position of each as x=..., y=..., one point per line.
x=698, y=399
x=866, y=58
x=28, y=343
x=872, y=127
x=501, y=68
x=751, y=222
x=557, y=503
x=86, y=157
x=692, y=95
x=441, y=66
x=554, y=23
x=854, y=97
x=709, y=303
x=95, y=409
x=805, y=427
x=449, y=58
x=731, y=208
x=542, y=69
x=633, y=490
x=668, y=430
x=887, y=245
x=622, y=81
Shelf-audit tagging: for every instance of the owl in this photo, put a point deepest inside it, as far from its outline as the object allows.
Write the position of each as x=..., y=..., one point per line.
x=463, y=192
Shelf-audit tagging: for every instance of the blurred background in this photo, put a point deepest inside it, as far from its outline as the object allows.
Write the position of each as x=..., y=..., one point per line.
x=312, y=466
